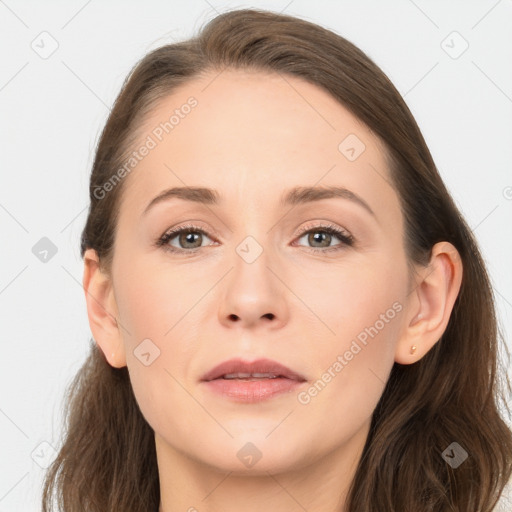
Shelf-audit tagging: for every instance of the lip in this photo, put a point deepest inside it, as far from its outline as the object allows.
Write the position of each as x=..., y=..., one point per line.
x=250, y=391
x=238, y=365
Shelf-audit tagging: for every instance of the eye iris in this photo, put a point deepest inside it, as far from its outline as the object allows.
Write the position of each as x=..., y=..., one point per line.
x=319, y=236
x=188, y=236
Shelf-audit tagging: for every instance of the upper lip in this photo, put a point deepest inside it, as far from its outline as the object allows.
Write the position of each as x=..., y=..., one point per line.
x=258, y=366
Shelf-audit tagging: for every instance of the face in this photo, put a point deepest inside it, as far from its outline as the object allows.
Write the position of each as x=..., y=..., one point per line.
x=318, y=284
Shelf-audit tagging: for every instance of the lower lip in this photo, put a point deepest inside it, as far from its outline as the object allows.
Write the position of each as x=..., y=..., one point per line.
x=251, y=391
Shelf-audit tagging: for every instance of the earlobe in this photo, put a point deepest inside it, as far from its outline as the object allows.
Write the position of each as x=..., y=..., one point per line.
x=102, y=310
x=432, y=303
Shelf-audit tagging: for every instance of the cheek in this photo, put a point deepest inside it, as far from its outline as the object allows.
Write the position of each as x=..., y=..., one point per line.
x=160, y=327
x=350, y=300
x=157, y=337
x=151, y=301
x=361, y=313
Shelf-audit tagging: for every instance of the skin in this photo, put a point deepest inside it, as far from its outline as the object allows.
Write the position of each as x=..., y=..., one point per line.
x=252, y=137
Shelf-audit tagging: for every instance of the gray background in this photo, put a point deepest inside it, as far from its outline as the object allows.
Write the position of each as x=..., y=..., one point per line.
x=53, y=106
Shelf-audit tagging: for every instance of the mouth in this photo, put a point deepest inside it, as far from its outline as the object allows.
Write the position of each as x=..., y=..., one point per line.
x=247, y=370
x=250, y=382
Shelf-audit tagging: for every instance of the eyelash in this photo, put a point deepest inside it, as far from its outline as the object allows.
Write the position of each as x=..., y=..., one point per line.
x=345, y=238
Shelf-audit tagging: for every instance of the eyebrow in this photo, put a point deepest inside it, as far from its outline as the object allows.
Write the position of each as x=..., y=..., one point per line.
x=293, y=197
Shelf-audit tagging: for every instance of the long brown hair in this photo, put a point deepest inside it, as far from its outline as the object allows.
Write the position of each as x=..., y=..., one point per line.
x=107, y=461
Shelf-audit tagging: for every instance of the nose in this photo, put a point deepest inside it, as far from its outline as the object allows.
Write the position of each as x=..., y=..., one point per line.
x=254, y=295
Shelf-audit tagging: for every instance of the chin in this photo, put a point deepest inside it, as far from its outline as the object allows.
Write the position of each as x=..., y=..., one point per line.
x=253, y=455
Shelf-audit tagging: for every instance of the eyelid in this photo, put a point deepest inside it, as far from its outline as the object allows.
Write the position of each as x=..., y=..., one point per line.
x=326, y=225
x=304, y=229
x=190, y=225
x=172, y=232
x=342, y=234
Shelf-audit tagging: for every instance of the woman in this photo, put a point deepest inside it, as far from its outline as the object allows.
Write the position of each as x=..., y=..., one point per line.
x=328, y=341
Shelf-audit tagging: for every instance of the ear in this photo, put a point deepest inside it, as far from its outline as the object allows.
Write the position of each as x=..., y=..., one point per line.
x=431, y=303
x=102, y=310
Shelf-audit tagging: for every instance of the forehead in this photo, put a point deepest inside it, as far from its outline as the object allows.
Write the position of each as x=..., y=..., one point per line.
x=253, y=133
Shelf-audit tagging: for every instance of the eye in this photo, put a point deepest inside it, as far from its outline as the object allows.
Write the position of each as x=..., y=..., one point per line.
x=323, y=235
x=189, y=238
